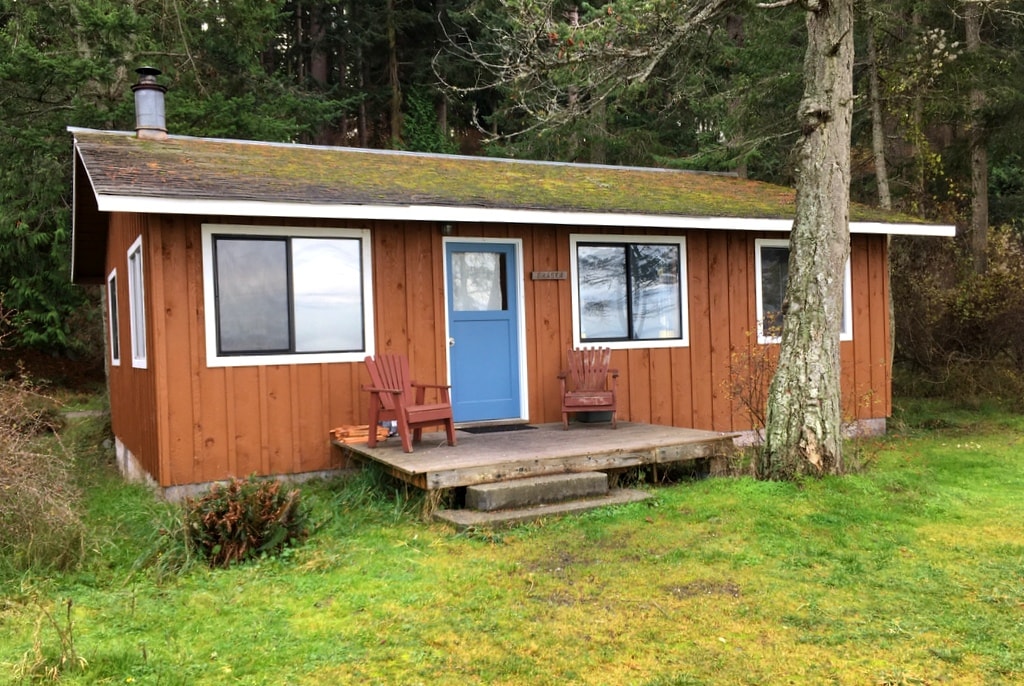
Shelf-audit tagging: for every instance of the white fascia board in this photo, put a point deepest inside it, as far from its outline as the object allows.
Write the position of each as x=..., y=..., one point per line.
x=948, y=230
x=455, y=214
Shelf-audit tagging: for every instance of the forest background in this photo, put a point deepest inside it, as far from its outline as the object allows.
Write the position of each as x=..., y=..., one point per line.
x=940, y=102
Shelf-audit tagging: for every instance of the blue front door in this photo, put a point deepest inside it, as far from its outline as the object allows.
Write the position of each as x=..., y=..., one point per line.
x=483, y=329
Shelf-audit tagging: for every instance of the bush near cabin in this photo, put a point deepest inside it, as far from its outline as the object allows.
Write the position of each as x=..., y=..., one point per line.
x=245, y=519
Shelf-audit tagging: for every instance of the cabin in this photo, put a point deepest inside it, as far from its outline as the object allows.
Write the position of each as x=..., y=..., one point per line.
x=246, y=282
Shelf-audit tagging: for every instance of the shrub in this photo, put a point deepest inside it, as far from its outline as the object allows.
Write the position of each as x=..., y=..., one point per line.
x=40, y=526
x=244, y=519
x=957, y=331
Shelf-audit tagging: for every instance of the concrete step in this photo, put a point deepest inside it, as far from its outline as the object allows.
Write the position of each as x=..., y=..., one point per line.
x=538, y=490
x=496, y=519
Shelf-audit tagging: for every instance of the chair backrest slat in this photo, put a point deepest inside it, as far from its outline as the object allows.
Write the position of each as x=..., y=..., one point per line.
x=389, y=370
x=588, y=368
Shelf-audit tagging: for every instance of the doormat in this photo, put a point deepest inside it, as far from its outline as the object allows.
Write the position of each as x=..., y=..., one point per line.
x=499, y=428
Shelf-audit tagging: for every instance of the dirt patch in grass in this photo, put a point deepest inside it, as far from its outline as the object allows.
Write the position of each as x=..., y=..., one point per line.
x=704, y=587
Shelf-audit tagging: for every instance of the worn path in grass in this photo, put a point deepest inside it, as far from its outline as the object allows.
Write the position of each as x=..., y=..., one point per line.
x=911, y=571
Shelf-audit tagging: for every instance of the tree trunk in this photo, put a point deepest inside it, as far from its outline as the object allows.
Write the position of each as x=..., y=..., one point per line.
x=877, y=123
x=979, y=153
x=318, y=55
x=804, y=417
x=395, y=118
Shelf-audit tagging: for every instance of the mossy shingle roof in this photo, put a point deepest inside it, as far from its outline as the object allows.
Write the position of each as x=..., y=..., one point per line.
x=189, y=169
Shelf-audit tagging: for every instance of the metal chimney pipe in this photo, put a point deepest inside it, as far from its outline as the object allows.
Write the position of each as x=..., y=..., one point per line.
x=150, y=121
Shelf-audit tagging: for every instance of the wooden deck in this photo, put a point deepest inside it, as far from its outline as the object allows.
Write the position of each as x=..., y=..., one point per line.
x=546, y=449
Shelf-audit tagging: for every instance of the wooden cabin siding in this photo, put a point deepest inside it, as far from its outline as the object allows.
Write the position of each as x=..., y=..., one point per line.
x=274, y=419
x=133, y=398
x=690, y=386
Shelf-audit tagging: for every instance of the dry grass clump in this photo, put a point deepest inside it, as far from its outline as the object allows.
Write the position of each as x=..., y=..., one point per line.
x=39, y=523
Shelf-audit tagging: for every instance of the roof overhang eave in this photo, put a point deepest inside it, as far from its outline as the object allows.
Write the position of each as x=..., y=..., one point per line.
x=467, y=214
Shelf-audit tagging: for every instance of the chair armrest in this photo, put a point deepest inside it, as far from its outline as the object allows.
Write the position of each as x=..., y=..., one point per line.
x=374, y=389
x=613, y=372
x=421, y=391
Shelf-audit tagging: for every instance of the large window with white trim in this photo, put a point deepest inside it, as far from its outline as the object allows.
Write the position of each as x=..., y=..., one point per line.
x=112, y=319
x=629, y=291
x=771, y=263
x=137, y=304
x=286, y=295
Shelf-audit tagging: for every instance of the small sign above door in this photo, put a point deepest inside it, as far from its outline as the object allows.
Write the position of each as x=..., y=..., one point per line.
x=548, y=276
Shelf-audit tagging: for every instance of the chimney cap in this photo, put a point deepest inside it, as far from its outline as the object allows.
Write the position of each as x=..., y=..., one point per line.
x=147, y=76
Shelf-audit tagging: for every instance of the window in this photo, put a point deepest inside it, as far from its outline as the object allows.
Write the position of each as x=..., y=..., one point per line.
x=137, y=304
x=629, y=293
x=771, y=264
x=115, y=332
x=285, y=295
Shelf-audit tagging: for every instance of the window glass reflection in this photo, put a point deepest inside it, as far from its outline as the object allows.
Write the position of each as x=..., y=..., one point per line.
x=629, y=291
x=327, y=295
x=774, y=273
x=602, y=288
x=655, y=277
x=478, y=281
x=252, y=295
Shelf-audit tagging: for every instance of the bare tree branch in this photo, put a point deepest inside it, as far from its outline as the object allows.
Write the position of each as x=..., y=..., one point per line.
x=538, y=56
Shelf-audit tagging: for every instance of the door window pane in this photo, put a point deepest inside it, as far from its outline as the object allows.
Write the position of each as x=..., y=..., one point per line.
x=478, y=281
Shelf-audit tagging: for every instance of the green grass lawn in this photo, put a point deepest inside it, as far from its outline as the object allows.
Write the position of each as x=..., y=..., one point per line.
x=910, y=571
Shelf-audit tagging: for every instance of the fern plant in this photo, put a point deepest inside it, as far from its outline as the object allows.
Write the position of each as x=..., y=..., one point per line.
x=244, y=519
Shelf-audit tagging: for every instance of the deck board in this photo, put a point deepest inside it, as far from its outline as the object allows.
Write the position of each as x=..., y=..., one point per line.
x=547, y=449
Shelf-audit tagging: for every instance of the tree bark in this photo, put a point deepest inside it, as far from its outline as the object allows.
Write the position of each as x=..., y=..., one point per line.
x=804, y=416
x=979, y=151
x=877, y=122
x=395, y=110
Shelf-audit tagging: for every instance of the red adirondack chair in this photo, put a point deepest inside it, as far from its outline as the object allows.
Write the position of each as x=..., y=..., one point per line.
x=588, y=385
x=394, y=396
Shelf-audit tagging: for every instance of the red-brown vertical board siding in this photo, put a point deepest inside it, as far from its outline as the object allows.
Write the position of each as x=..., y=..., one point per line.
x=700, y=330
x=171, y=361
x=718, y=270
x=244, y=398
x=637, y=382
x=132, y=392
x=878, y=276
x=278, y=418
x=546, y=344
x=662, y=386
x=856, y=355
x=741, y=322
x=212, y=428
x=425, y=339
x=390, y=289
x=682, y=395
x=346, y=402
x=214, y=425
x=309, y=417
x=561, y=320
